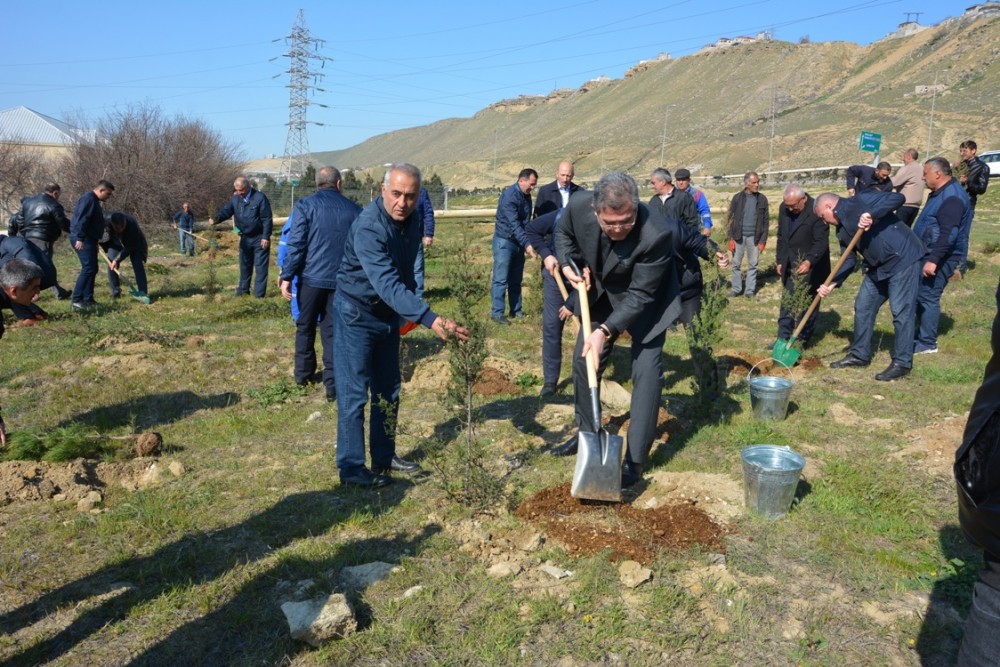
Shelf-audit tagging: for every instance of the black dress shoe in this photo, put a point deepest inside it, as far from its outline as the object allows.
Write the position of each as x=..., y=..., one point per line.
x=568, y=448
x=548, y=389
x=850, y=361
x=366, y=479
x=400, y=465
x=631, y=473
x=893, y=372
x=331, y=395
x=501, y=320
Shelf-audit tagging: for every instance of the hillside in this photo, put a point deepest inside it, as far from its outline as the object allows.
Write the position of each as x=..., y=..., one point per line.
x=718, y=110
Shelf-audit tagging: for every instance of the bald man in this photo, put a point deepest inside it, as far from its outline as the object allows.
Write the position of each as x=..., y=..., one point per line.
x=555, y=195
x=251, y=211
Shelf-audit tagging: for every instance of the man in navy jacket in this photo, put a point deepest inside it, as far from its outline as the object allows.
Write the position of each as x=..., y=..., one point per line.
x=510, y=244
x=85, y=231
x=375, y=294
x=251, y=210
x=943, y=226
x=892, y=266
x=315, y=247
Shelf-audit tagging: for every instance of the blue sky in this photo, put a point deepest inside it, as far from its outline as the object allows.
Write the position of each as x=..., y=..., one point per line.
x=395, y=65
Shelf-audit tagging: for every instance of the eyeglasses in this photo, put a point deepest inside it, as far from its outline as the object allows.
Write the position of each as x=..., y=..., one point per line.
x=617, y=227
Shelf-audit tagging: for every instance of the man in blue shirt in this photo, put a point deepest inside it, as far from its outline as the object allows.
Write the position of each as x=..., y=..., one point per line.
x=184, y=224
x=85, y=231
x=251, y=211
x=510, y=244
x=375, y=294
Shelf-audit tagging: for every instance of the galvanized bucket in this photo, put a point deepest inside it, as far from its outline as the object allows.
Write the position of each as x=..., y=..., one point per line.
x=770, y=475
x=769, y=395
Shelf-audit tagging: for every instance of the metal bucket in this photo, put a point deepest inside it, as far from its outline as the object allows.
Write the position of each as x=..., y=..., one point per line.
x=770, y=475
x=769, y=396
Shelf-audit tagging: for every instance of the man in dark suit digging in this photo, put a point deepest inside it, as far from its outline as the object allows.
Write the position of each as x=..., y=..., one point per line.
x=626, y=254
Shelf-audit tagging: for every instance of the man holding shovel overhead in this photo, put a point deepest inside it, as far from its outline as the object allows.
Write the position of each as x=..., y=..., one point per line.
x=374, y=296
x=892, y=271
x=625, y=253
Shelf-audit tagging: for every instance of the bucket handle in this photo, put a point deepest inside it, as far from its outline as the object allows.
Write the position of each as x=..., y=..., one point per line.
x=787, y=368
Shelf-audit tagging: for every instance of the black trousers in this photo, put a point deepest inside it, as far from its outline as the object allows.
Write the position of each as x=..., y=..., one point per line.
x=315, y=308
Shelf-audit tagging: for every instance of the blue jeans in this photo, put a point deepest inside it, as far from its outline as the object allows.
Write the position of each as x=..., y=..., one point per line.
x=366, y=359
x=749, y=248
x=929, y=308
x=253, y=258
x=508, y=269
x=83, y=291
x=901, y=291
x=187, y=242
x=981, y=643
x=552, y=329
x=418, y=271
x=138, y=269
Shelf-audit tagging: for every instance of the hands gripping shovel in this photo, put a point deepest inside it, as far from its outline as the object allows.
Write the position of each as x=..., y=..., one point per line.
x=783, y=351
x=139, y=296
x=598, y=471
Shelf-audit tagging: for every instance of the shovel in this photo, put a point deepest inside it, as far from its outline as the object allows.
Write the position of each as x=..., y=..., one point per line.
x=197, y=236
x=141, y=297
x=598, y=471
x=783, y=352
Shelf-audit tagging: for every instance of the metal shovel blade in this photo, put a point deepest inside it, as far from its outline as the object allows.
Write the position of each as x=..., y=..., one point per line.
x=598, y=472
x=784, y=352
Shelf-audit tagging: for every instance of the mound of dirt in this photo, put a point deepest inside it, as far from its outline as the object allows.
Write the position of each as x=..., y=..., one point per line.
x=629, y=532
x=492, y=382
x=27, y=481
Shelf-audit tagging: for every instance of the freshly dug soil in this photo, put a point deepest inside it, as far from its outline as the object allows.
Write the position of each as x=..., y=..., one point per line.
x=587, y=527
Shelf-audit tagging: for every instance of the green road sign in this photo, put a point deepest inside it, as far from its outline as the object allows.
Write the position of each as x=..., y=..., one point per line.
x=870, y=142
x=295, y=181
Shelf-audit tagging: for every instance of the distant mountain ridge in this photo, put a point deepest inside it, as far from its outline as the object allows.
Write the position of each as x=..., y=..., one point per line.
x=717, y=108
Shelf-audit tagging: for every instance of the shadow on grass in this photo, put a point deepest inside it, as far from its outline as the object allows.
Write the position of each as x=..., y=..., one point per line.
x=152, y=410
x=249, y=626
x=950, y=600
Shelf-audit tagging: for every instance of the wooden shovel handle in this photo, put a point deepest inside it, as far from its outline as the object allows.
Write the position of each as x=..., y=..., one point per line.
x=829, y=279
x=592, y=359
x=557, y=274
x=101, y=250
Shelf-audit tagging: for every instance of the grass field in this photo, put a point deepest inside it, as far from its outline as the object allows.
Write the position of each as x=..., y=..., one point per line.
x=869, y=568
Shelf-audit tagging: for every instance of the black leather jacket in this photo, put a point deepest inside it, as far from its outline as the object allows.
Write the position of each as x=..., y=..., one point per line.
x=977, y=178
x=977, y=461
x=40, y=217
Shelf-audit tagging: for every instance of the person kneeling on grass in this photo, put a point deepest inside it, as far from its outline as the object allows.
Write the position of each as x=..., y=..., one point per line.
x=20, y=282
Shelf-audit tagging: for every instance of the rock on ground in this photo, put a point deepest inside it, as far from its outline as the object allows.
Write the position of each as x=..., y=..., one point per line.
x=321, y=619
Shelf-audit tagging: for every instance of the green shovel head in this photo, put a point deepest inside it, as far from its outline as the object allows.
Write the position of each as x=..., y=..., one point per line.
x=784, y=352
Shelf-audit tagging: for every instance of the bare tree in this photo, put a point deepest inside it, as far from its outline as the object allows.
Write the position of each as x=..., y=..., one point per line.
x=156, y=163
x=22, y=170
